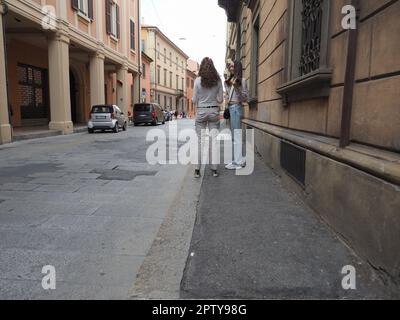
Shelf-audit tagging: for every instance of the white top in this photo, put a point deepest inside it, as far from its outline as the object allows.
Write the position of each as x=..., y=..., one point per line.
x=207, y=97
x=238, y=96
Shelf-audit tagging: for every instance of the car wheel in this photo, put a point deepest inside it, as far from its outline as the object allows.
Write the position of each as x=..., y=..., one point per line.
x=124, y=127
x=90, y=131
x=116, y=128
x=155, y=122
x=135, y=124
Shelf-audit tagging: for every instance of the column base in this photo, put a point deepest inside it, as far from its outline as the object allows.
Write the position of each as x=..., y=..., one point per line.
x=66, y=127
x=5, y=134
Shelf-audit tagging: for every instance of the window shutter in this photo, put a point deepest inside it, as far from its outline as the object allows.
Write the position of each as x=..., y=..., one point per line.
x=108, y=16
x=132, y=35
x=74, y=4
x=118, y=22
x=90, y=10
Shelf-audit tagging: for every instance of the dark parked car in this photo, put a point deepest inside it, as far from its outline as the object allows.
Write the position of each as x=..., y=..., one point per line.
x=148, y=113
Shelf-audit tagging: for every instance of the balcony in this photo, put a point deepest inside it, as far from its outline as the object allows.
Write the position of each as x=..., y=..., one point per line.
x=179, y=93
x=231, y=7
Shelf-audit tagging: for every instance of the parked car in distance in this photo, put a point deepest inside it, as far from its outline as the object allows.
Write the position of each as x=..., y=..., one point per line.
x=107, y=117
x=148, y=113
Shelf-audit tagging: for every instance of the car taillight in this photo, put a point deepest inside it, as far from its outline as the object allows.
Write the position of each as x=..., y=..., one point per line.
x=153, y=114
x=112, y=116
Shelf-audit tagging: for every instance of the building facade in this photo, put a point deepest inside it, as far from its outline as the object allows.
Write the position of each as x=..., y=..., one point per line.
x=324, y=104
x=168, y=69
x=63, y=56
x=191, y=75
x=146, y=79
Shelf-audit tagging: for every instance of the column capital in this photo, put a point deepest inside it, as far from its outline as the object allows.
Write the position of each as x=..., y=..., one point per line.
x=123, y=67
x=61, y=36
x=3, y=7
x=99, y=55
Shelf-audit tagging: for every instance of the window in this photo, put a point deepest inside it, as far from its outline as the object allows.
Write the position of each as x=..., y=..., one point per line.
x=177, y=63
x=132, y=34
x=165, y=77
x=159, y=75
x=165, y=55
x=170, y=60
x=177, y=82
x=254, y=61
x=143, y=46
x=170, y=79
x=113, y=22
x=183, y=83
x=143, y=71
x=84, y=7
x=307, y=74
x=158, y=51
x=187, y=82
x=165, y=101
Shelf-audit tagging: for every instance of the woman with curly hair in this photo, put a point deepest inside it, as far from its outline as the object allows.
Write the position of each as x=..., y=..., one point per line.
x=208, y=94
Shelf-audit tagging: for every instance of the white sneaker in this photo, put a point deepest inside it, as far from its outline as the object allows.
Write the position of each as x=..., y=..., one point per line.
x=229, y=165
x=242, y=163
x=233, y=166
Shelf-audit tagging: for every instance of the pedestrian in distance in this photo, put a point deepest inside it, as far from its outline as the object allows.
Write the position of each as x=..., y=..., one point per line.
x=237, y=93
x=208, y=95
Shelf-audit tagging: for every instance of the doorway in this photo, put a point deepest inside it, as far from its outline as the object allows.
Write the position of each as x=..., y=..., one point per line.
x=74, y=89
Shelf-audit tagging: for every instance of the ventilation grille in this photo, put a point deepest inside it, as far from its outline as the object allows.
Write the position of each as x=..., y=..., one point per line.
x=293, y=160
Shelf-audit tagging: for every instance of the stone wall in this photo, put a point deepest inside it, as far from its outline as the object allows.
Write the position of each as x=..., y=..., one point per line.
x=376, y=113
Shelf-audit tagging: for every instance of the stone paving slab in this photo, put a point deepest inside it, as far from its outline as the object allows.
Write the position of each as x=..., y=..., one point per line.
x=54, y=210
x=255, y=240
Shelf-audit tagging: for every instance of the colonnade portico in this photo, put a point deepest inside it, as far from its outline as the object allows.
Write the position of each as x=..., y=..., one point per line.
x=5, y=127
x=60, y=100
x=51, y=77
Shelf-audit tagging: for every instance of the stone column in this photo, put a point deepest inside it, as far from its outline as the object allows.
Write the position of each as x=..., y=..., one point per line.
x=5, y=128
x=123, y=89
x=136, y=88
x=97, y=94
x=60, y=100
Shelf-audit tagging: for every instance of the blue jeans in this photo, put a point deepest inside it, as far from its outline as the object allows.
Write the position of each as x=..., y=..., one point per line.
x=236, y=112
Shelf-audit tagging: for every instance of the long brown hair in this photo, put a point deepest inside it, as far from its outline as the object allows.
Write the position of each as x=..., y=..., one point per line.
x=208, y=73
x=237, y=74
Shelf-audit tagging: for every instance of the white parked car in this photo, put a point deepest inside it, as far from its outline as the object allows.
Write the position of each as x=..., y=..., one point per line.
x=107, y=117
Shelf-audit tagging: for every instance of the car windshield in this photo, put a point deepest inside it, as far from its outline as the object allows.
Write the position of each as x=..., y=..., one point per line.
x=102, y=109
x=142, y=107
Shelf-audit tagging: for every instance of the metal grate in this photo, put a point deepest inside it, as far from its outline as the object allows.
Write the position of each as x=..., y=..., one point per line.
x=293, y=160
x=311, y=36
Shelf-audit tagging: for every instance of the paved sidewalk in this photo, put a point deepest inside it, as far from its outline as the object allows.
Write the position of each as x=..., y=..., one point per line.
x=254, y=239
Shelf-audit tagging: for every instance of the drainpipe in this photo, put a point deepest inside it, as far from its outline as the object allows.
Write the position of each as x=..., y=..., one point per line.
x=348, y=90
x=139, y=57
x=155, y=67
x=4, y=13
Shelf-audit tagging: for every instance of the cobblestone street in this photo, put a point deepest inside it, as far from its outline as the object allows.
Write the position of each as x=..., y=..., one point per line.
x=89, y=205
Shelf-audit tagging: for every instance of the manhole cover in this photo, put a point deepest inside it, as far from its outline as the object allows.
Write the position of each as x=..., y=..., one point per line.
x=121, y=175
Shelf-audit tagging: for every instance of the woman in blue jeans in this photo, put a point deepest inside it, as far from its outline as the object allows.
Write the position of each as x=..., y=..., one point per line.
x=237, y=91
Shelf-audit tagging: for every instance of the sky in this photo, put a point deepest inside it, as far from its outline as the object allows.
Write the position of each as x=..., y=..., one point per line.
x=202, y=23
